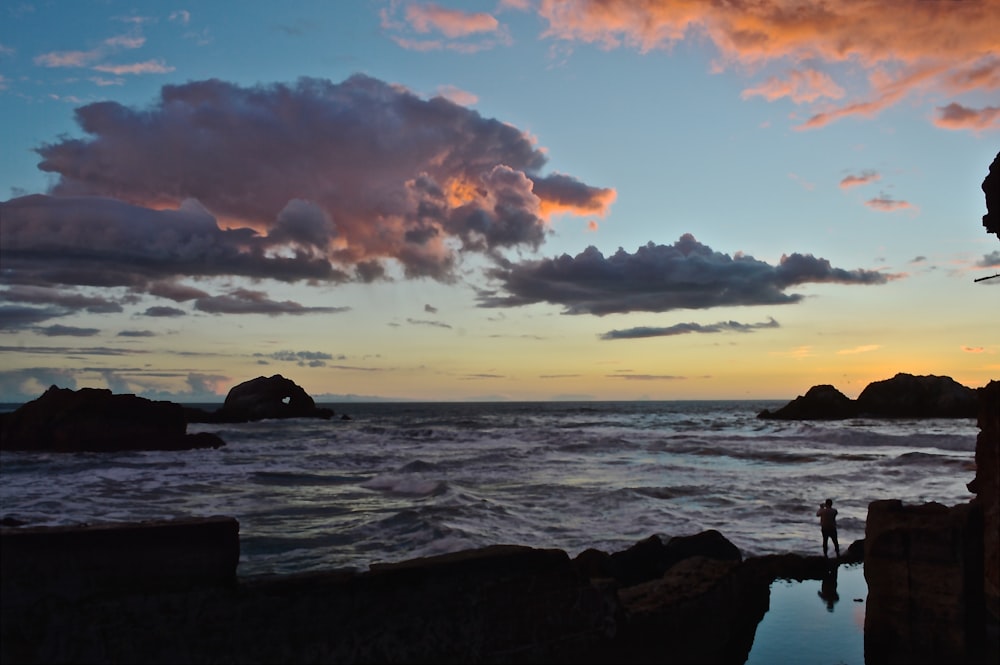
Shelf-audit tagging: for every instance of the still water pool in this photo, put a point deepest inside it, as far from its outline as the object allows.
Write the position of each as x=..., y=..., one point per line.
x=814, y=622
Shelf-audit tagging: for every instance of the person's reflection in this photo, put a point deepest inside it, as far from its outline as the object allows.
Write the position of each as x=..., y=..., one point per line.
x=828, y=589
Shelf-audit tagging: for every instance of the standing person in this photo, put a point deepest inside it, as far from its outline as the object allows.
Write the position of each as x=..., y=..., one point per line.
x=828, y=525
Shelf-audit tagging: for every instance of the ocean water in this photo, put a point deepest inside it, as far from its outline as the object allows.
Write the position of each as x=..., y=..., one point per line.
x=404, y=480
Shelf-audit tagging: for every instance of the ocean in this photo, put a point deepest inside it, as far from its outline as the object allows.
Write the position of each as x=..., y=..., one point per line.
x=397, y=481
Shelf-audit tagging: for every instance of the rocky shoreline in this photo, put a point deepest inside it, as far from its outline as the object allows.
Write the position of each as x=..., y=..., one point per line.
x=170, y=592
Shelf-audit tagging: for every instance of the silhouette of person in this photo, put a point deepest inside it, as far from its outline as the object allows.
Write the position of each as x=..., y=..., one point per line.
x=828, y=525
x=828, y=589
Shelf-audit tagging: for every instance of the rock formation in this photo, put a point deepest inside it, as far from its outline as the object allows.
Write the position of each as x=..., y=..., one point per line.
x=168, y=592
x=902, y=396
x=991, y=189
x=94, y=419
x=262, y=398
x=908, y=396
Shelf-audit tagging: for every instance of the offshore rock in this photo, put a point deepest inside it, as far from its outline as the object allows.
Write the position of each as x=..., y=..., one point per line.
x=902, y=396
x=260, y=399
x=95, y=420
x=820, y=403
x=909, y=396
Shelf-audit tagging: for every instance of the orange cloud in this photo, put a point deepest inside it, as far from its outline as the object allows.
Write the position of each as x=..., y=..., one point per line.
x=806, y=85
x=859, y=349
x=956, y=116
x=973, y=349
x=886, y=203
x=451, y=23
x=862, y=178
x=904, y=47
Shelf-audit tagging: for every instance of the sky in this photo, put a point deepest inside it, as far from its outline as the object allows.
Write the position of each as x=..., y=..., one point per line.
x=508, y=200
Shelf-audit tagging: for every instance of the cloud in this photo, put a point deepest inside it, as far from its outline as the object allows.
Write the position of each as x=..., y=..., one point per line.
x=430, y=27
x=367, y=174
x=645, y=377
x=15, y=317
x=424, y=322
x=661, y=278
x=301, y=358
x=800, y=86
x=956, y=116
x=862, y=178
x=886, y=203
x=137, y=333
x=991, y=260
x=103, y=242
x=866, y=348
x=246, y=301
x=430, y=309
x=973, y=349
x=147, y=67
x=685, y=328
x=67, y=331
x=161, y=311
x=882, y=52
x=450, y=22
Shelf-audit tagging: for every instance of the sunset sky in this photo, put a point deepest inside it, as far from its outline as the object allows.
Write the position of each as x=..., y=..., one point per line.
x=512, y=200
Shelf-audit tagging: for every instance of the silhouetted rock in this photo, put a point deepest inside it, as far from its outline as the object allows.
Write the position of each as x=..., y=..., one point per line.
x=820, y=403
x=909, y=396
x=902, y=396
x=94, y=419
x=260, y=399
x=991, y=188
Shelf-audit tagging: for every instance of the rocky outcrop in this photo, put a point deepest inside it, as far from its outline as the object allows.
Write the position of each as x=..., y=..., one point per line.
x=909, y=396
x=902, y=396
x=94, y=419
x=819, y=403
x=168, y=592
x=986, y=487
x=262, y=398
x=932, y=570
x=991, y=189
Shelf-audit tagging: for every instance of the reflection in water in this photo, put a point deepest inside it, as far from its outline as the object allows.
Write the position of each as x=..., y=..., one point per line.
x=828, y=588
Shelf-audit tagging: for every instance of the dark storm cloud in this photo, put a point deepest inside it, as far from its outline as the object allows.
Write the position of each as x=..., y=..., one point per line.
x=40, y=295
x=96, y=241
x=161, y=311
x=991, y=260
x=347, y=175
x=67, y=331
x=245, y=301
x=137, y=333
x=685, y=328
x=661, y=278
x=16, y=317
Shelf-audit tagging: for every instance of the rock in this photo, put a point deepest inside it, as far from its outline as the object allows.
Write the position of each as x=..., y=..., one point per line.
x=903, y=396
x=909, y=396
x=820, y=403
x=262, y=398
x=991, y=189
x=94, y=419
x=924, y=567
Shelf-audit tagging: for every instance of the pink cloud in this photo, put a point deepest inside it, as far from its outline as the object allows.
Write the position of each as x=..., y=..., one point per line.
x=148, y=67
x=800, y=86
x=863, y=178
x=367, y=173
x=451, y=23
x=886, y=203
x=906, y=47
x=956, y=116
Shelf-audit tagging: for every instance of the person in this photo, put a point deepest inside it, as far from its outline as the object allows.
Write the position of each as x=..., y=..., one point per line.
x=828, y=588
x=828, y=525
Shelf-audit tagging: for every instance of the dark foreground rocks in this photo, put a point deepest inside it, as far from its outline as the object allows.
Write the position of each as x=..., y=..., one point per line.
x=94, y=419
x=259, y=399
x=902, y=396
x=169, y=592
